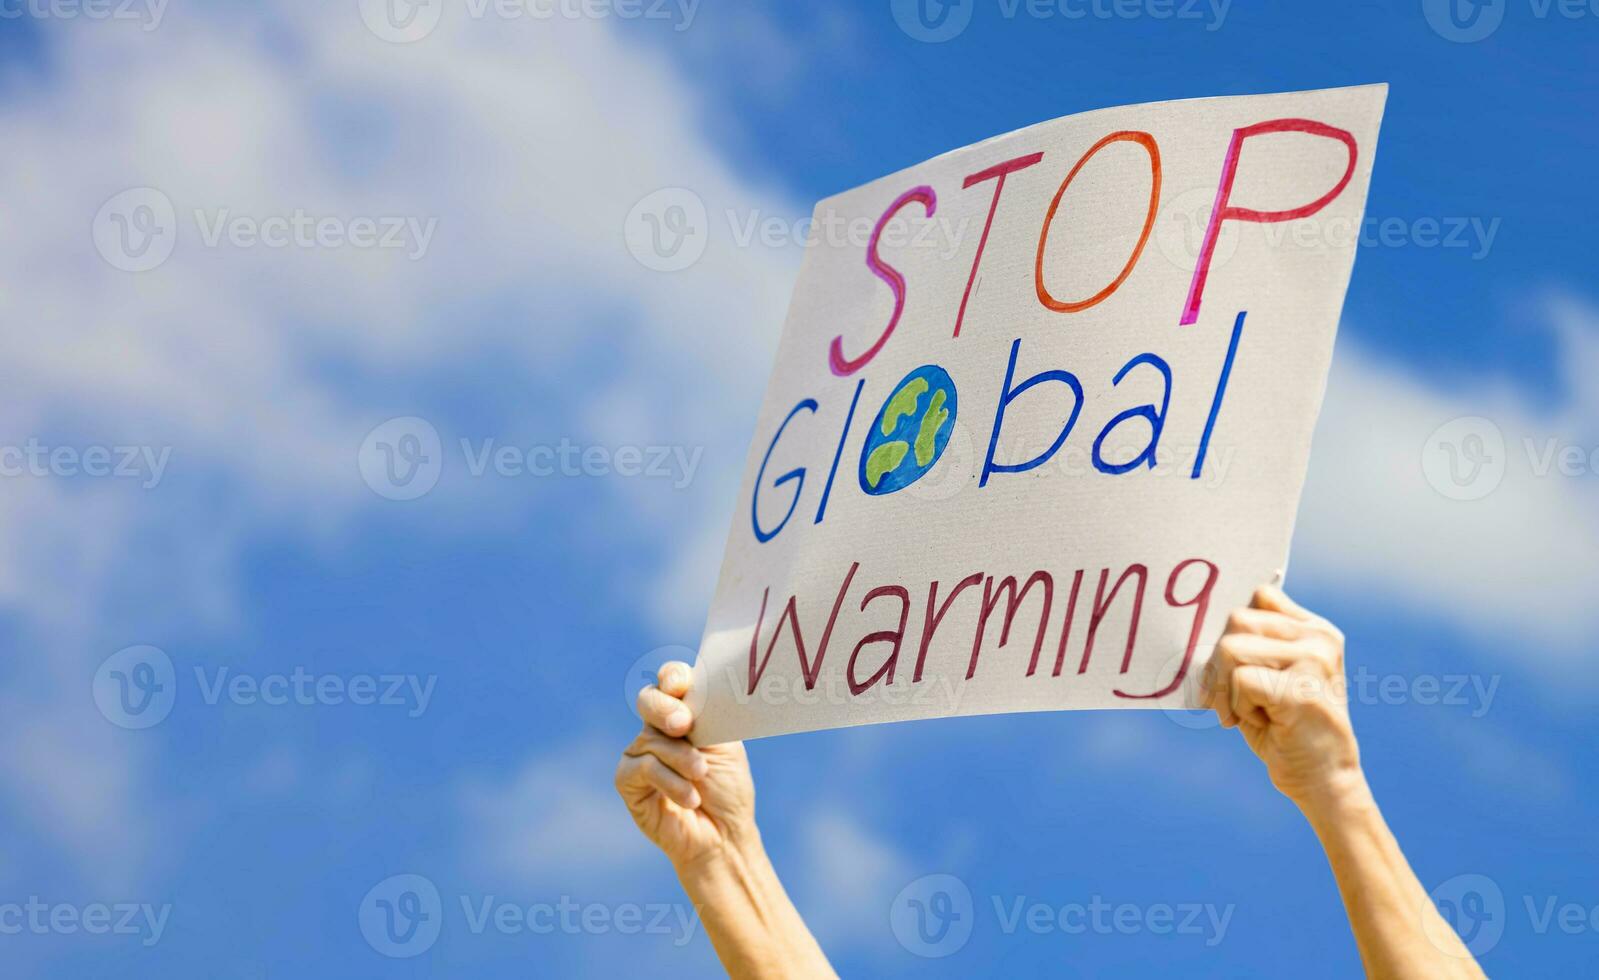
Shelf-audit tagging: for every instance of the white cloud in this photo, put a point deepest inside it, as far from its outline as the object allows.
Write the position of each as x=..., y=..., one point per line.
x=1520, y=564
x=555, y=820
x=848, y=878
x=263, y=368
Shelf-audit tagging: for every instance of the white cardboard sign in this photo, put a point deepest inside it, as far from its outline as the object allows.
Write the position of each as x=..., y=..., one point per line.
x=1040, y=417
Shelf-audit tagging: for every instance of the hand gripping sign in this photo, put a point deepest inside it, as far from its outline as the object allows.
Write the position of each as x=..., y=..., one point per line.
x=1014, y=458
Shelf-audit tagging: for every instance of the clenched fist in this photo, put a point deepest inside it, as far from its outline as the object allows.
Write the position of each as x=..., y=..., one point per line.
x=691, y=802
x=1278, y=675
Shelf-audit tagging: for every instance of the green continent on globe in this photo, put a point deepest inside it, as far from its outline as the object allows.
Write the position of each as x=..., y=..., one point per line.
x=903, y=403
x=885, y=459
x=904, y=407
x=932, y=422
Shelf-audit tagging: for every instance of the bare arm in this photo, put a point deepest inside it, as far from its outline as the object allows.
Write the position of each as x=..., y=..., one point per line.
x=698, y=806
x=1278, y=676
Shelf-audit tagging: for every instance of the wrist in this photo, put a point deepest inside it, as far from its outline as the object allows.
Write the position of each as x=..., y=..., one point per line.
x=1342, y=797
x=735, y=865
x=750, y=920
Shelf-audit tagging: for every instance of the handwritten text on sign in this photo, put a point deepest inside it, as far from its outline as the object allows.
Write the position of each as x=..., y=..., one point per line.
x=1031, y=467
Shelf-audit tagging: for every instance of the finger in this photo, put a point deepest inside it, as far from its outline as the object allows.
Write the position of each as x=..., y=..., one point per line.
x=630, y=775
x=681, y=757
x=1254, y=735
x=1213, y=682
x=661, y=710
x=670, y=784
x=1255, y=693
x=1238, y=649
x=1274, y=599
x=1262, y=622
x=675, y=678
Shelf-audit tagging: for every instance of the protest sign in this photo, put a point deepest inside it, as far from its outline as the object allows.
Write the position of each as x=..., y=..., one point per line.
x=1044, y=422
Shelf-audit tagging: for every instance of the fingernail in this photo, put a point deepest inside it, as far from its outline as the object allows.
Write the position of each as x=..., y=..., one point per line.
x=679, y=718
x=693, y=799
x=701, y=767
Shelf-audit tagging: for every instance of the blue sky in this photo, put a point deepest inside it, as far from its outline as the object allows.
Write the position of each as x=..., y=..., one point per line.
x=520, y=603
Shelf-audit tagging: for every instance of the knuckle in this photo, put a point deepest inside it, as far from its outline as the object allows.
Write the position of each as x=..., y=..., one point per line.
x=624, y=773
x=1325, y=653
x=645, y=699
x=1255, y=686
x=1328, y=631
x=653, y=770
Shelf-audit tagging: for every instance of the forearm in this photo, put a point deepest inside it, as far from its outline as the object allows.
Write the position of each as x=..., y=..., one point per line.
x=752, y=923
x=1397, y=927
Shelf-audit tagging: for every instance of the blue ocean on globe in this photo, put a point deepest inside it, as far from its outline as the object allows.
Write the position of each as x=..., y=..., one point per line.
x=910, y=431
